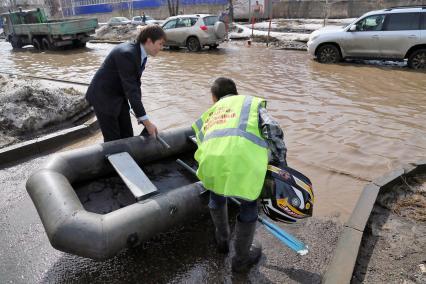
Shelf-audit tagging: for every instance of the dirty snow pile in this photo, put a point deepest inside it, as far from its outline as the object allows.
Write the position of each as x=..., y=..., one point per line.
x=285, y=33
x=27, y=109
x=117, y=33
x=245, y=32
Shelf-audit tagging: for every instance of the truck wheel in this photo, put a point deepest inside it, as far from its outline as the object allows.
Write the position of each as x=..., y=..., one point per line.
x=328, y=53
x=16, y=42
x=78, y=44
x=37, y=45
x=417, y=59
x=193, y=44
x=46, y=44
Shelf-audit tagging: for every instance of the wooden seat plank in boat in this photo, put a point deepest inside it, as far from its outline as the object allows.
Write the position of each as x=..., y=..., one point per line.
x=132, y=175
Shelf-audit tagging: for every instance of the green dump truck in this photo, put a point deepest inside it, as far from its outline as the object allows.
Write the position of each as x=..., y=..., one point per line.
x=31, y=27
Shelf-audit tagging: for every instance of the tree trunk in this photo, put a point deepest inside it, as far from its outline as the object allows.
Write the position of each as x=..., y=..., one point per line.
x=177, y=7
x=169, y=4
x=231, y=11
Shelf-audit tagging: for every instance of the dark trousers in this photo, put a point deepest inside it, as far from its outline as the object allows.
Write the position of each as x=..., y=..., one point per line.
x=248, y=209
x=115, y=127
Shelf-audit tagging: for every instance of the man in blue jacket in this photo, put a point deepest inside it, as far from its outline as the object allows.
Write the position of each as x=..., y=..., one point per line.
x=117, y=84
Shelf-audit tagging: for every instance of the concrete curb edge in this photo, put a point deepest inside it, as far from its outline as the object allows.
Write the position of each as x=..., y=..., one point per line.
x=341, y=267
x=45, y=143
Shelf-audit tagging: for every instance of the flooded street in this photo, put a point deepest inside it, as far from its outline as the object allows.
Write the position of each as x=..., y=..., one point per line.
x=344, y=124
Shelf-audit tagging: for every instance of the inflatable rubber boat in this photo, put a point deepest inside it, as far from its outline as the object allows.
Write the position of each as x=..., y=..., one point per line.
x=96, y=201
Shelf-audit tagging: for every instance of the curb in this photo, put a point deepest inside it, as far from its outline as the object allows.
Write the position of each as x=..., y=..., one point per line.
x=343, y=262
x=48, y=142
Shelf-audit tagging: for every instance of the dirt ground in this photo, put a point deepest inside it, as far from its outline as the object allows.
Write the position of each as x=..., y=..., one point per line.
x=29, y=109
x=393, y=246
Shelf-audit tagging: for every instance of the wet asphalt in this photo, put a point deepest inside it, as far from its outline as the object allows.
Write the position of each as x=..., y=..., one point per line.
x=183, y=255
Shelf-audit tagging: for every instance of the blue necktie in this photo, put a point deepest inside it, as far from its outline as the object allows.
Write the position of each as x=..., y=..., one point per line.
x=143, y=64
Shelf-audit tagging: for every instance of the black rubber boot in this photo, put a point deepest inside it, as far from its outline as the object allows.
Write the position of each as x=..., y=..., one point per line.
x=247, y=251
x=222, y=231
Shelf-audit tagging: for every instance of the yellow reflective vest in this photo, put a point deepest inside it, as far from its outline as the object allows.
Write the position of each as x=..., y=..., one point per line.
x=232, y=155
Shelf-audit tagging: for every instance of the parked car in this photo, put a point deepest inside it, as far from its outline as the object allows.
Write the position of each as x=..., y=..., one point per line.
x=149, y=21
x=396, y=33
x=117, y=21
x=194, y=31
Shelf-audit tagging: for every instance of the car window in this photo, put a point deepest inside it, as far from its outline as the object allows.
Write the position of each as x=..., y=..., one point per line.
x=184, y=23
x=423, y=27
x=210, y=20
x=149, y=18
x=370, y=23
x=136, y=18
x=193, y=21
x=170, y=24
x=402, y=22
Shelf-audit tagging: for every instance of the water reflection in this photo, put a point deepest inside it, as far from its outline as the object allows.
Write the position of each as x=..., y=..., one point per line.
x=345, y=124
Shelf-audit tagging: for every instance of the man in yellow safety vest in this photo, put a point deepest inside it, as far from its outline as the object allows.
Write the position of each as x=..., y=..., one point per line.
x=236, y=140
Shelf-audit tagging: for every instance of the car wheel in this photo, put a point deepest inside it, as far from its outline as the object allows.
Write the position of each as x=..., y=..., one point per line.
x=37, y=45
x=46, y=44
x=328, y=53
x=193, y=44
x=417, y=59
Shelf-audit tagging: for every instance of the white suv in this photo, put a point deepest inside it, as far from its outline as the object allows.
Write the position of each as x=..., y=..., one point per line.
x=194, y=31
x=394, y=34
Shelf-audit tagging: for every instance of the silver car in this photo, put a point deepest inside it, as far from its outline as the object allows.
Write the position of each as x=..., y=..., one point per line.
x=148, y=21
x=392, y=34
x=118, y=21
x=194, y=31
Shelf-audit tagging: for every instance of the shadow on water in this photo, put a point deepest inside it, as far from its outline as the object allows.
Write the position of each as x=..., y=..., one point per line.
x=385, y=65
x=66, y=50
x=217, y=51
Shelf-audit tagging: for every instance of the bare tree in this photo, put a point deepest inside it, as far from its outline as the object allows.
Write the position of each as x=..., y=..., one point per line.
x=325, y=12
x=173, y=7
x=231, y=11
x=327, y=6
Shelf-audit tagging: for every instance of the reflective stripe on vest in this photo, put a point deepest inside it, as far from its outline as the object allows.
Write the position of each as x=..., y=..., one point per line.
x=240, y=131
x=234, y=163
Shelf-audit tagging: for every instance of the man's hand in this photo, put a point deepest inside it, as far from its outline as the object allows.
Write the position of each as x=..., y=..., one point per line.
x=150, y=127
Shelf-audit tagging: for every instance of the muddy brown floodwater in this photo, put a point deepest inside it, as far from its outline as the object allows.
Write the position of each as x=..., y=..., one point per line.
x=344, y=124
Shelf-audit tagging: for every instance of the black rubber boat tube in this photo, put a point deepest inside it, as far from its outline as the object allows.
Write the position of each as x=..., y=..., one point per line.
x=72, y=229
